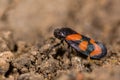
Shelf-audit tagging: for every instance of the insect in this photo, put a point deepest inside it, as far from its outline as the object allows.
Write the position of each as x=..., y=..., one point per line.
x=82, y=44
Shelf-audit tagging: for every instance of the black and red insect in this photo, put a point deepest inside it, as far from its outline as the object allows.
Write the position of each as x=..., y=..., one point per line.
x=82, y=44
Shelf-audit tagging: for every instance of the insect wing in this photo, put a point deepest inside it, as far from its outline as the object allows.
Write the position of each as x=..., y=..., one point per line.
x=75, y=45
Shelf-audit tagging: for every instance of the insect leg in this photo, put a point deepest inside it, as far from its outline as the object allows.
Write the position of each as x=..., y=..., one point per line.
x=69, y=50
x=54, y=46
x=89, y=60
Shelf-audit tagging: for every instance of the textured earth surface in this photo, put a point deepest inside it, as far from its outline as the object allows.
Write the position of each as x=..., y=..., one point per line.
x=26, y=36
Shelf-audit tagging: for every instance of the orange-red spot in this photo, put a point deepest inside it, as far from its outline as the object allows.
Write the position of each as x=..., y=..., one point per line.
x=92, y=41
x=97, y=50
x=74, y=37
x=83, y=45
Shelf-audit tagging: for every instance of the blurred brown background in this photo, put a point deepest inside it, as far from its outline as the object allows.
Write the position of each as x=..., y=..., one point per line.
x=32, y=19
x=23, y=22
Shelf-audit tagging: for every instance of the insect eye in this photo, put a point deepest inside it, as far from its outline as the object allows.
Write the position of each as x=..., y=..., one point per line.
x=61, y=34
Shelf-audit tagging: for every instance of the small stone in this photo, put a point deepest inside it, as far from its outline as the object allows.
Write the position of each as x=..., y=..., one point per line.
x=30, y=76
x=7, y=56
x=4, y=66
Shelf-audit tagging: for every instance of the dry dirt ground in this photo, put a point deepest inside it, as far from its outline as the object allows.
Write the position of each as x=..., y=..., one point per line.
x=26, y=35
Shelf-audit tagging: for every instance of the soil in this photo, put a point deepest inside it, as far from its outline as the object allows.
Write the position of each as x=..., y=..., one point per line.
x=26, y=39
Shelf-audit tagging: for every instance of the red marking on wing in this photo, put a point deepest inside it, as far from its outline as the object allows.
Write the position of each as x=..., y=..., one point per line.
x=74, y=37
x=97, y=49
x=83, y=45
